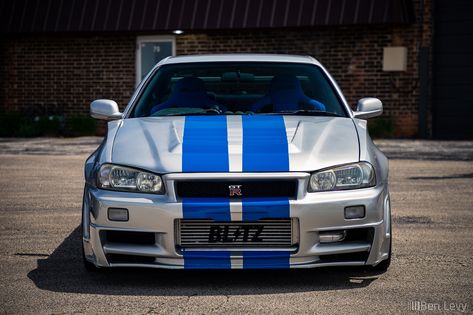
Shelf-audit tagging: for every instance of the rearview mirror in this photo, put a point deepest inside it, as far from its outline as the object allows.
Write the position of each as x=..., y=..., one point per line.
x=368, y=107
x=105, y=109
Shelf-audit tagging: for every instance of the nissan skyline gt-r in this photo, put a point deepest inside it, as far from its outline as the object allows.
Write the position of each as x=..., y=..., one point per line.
x=237, y=161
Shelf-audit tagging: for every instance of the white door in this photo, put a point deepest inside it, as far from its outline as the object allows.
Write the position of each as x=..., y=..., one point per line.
x=150, y=50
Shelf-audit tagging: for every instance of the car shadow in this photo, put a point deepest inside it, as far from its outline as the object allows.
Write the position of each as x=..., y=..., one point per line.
x=62, y=271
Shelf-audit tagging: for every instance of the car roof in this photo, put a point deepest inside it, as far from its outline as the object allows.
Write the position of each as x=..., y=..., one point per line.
x=240, y=58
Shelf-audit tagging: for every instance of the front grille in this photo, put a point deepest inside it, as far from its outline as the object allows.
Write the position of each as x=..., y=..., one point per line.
x=249, y=188
x=210, y=234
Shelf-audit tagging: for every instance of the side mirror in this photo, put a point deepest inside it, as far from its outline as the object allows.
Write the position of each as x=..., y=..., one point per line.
x=105, y=109
x=368, y=107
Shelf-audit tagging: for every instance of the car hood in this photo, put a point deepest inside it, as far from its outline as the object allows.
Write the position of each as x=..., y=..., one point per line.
x=171, y=144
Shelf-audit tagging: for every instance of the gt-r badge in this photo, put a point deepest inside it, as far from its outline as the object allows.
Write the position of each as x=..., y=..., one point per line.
x=235, y=190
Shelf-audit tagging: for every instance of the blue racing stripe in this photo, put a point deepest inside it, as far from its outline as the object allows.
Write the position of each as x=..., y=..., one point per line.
x=205, y=149
x=265, y=149
x=205, y=144
x=265, y=259
x=217, y=209
x=207, y=260
x=265, y=146
x=265, y=208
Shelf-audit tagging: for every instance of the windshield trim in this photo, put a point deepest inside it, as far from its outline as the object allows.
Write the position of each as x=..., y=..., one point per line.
x=136, y=97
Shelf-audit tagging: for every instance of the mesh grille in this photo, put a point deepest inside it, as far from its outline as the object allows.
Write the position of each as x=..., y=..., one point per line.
x=209, y=234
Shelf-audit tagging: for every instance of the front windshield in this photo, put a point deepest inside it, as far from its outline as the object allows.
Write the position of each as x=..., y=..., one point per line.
x=238, y=88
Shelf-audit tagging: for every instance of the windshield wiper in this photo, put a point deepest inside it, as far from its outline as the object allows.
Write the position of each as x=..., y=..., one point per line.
x=197, y=112
x=307, y=112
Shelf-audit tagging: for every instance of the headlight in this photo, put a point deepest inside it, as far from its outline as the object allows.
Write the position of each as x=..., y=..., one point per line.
x=128, y=179
x=359, y=175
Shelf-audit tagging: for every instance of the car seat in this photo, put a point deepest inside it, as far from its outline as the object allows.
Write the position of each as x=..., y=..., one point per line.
x=187, y=92
x=286, y=94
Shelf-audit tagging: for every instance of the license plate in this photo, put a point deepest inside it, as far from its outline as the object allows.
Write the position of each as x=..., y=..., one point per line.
x=241, y=233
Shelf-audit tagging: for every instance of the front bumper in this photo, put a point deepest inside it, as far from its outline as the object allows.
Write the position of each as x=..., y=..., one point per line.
x=315, y=213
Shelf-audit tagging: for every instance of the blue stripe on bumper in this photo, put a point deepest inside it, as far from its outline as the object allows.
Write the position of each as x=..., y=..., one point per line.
x=265, y=260
x=265, y=208
x=217, y=209
x=207, y=260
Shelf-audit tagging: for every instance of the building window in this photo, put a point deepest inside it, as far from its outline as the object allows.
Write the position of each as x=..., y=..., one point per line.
x=150, y=50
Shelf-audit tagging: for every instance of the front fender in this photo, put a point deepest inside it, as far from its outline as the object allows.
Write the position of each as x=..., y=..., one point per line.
x=369, y=151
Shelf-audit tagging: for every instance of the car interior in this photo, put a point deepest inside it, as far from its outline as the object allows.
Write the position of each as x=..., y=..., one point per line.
x=230, y=90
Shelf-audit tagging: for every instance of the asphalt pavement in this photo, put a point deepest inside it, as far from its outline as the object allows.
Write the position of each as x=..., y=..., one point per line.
x=41, y=271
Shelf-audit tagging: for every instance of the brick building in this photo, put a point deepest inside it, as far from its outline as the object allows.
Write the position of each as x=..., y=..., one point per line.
x=59, y=55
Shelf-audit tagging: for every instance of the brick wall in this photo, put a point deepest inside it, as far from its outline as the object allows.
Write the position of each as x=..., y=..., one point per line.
x=65, y=73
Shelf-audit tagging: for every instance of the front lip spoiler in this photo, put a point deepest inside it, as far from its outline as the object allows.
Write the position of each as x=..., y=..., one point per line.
x=293, y=266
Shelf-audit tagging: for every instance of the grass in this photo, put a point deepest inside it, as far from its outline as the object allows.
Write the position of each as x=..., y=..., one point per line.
x=14, y=124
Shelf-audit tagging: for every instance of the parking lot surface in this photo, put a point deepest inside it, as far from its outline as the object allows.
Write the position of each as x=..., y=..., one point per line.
x=41, y=269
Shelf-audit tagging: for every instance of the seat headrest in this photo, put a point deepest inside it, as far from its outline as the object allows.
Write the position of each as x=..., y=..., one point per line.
x=189, y=85
x=283, y=82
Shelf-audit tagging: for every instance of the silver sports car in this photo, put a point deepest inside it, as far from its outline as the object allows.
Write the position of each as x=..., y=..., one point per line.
x=237, y=161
